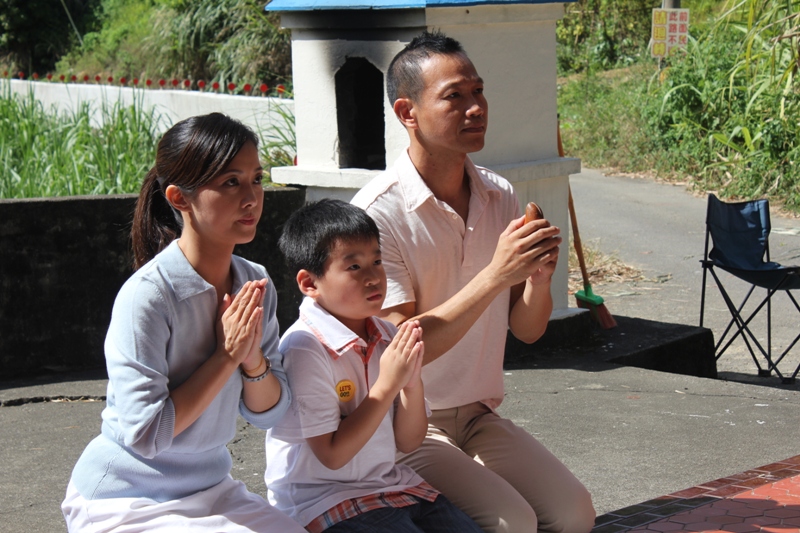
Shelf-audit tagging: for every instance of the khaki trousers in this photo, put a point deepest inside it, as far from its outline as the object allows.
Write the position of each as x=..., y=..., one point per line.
x=499, y=475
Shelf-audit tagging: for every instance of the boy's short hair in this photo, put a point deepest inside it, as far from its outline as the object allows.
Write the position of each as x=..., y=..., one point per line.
x=312, y=231
x=404, y=76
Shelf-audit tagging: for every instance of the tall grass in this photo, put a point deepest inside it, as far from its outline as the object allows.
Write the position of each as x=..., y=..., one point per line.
x=97, y=150
x=278, y=140
x=46, y=154
x=722, y=115
x=733, y=100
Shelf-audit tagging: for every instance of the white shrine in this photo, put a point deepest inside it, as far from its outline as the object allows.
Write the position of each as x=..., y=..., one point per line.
x=345, y=126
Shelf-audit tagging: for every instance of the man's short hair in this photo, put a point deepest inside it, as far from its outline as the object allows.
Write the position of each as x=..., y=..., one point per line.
x=404, y=78
x=312, y=231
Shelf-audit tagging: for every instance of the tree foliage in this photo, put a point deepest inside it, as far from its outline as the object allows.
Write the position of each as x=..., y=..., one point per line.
x=34, y=34
x=722, y=114
x=603, y=34
x=735, y=97
x=219, y=40
x=607, y=34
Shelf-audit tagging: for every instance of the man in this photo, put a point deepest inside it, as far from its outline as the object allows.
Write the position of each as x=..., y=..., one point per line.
x=460, y=259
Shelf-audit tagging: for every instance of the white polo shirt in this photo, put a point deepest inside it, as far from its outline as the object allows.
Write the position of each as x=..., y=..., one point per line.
x=329, y=379
x=429, y=254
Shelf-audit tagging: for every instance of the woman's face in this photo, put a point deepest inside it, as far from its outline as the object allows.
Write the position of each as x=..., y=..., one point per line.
x=226, y=210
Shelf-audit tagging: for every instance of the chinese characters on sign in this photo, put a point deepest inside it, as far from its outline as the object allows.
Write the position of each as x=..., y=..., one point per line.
x=670, y=31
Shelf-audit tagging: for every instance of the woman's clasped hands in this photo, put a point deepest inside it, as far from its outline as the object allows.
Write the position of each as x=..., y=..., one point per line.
x=239, y=325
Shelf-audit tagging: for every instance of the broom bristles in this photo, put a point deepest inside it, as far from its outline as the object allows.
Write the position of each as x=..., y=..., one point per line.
x=588, y=300
x=600, y=313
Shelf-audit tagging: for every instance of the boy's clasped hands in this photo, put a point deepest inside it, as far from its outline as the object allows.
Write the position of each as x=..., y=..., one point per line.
x=401, y=363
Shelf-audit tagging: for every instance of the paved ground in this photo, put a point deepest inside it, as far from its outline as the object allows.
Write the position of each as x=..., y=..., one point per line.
x=631, y=435
x=763, y=499
x=660, y=228
x=730, y=428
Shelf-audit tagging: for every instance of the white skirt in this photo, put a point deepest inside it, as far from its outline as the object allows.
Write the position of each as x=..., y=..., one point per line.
x=226, y=507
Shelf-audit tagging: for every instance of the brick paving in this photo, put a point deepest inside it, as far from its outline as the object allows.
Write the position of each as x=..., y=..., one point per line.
x=764, y=499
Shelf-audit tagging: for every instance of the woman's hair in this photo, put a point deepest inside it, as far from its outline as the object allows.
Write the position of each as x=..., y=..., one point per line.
x=190, y=154
x=312, y=231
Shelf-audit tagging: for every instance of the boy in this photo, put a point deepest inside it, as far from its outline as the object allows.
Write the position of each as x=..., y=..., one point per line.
x=461, y=262
x=357, y=392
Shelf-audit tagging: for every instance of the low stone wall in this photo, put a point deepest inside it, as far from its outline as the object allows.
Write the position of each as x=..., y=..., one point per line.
x=62, y=261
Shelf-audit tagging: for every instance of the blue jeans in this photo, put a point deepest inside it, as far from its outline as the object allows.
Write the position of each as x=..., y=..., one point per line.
x=439, y=516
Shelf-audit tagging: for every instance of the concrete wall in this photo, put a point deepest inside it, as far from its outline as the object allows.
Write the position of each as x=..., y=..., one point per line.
x=172, y=106
x=62, y=261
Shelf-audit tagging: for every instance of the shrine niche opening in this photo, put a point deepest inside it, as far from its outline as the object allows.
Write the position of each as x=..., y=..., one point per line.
x=359, y=114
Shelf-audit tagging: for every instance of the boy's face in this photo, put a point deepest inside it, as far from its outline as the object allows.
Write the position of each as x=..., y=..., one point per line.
x=353, y=285
x=451, y=113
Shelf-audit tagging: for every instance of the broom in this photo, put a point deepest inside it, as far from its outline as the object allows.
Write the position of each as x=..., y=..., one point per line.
x=586, y=299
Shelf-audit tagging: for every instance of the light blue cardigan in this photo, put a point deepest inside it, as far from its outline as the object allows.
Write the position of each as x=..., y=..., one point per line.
x=162, y=329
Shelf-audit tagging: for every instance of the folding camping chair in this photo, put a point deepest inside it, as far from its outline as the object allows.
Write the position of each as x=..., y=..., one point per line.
x=740, y=236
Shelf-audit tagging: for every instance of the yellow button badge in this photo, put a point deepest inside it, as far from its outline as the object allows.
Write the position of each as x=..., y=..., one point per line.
x=346, y=390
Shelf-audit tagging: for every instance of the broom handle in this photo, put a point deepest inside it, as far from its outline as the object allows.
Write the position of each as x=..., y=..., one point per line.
x=576, y=237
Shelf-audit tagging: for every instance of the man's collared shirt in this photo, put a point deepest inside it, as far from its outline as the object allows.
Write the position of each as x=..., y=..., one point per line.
x=429, y=254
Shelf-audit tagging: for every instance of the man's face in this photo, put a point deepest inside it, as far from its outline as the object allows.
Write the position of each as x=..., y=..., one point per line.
x=451, y=113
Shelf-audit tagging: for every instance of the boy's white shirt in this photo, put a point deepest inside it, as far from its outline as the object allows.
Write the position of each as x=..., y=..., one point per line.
x=297, y=483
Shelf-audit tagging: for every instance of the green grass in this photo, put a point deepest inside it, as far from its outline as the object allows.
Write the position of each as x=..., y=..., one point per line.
x=278, y=141
x=45, y=154
x=600, y=117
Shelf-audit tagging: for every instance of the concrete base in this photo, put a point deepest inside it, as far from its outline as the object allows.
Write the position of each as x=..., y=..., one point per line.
x=576, y=338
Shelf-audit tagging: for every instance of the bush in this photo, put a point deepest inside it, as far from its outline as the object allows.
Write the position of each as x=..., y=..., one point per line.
x=601, y=117
x=35, y=33
x=211, y=40
x=608, y=34
x=730, y=104
x=721, y=115
x=603, y=34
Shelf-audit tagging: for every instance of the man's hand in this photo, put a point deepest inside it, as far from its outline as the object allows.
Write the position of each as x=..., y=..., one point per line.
x=526, y=251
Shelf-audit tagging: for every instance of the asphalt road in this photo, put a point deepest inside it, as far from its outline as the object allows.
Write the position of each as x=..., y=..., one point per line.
x=660, y=228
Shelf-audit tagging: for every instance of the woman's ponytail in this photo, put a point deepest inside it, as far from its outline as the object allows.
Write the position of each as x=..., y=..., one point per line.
x=154, y=222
